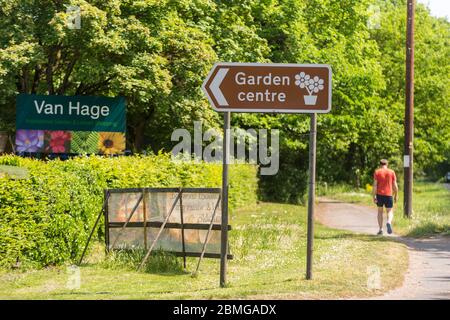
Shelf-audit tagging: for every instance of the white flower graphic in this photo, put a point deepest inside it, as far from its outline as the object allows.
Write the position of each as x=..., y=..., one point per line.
x=315, y=84
x=302, y=79
x=312, y=85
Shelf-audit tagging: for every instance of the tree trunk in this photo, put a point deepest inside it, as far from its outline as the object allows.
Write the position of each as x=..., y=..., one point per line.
x=139, y=131
x=138, y=124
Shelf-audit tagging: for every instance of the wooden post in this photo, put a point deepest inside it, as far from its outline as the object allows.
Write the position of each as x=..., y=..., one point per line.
x=207, y=236
x=409, y=113
x=183, y=244
x=126, y=223
x=159, y=233
x=105, y=203
x=106, y=195
x=144, y=211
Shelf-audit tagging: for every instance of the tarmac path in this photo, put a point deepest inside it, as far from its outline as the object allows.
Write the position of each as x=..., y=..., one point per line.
x=428, y=275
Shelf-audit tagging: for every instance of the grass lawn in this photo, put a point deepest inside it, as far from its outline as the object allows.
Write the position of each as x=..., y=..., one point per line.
x=269, y=245
x=431, y=207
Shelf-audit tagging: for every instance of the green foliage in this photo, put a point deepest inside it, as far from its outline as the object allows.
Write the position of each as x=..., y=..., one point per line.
x=431, y=84
x=289, y=185
x=157, y=53
x=45, y=219
x=366, y=121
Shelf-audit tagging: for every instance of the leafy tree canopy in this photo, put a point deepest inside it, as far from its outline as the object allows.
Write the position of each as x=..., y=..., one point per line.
x=156, y=54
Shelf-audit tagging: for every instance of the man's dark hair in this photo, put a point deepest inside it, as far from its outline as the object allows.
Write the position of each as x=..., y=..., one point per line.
x=383, y=162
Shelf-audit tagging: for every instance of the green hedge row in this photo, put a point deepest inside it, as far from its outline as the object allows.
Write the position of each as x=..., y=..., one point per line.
x=45, y=219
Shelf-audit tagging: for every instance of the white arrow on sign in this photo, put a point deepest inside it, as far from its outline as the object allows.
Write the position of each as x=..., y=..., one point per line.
x=215, y=86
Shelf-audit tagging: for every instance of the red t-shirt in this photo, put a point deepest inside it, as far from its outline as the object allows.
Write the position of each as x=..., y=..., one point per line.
x=385, y=179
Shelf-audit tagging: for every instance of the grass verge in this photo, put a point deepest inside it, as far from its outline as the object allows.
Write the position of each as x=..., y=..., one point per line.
x=431, y=207
x=269, y=245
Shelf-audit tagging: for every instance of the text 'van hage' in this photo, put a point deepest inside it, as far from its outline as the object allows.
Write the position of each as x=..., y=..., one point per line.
x=246, y=145
x=94, y=112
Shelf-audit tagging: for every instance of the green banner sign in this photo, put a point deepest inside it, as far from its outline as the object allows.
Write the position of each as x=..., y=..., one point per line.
x=75, y=113
x=70, y=124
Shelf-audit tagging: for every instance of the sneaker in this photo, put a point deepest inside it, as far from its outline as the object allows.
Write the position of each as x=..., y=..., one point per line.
x=380, y=233
x=389, y=228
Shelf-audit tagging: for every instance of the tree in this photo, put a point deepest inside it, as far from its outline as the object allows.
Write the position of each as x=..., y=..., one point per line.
x=432, y=74
x=156, y=54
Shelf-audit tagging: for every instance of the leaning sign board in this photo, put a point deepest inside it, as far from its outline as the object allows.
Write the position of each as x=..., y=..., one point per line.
x=183, y=221
x=271, y=87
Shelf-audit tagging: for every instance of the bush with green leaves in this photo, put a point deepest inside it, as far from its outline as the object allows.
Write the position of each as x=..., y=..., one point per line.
x=45, y=219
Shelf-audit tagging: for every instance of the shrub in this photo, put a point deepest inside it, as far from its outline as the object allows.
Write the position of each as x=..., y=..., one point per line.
x=45, y=219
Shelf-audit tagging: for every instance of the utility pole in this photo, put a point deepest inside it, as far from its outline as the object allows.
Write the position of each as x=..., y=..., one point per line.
x=409, y=112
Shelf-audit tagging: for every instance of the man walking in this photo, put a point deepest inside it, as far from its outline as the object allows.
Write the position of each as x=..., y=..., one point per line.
x=385, y=191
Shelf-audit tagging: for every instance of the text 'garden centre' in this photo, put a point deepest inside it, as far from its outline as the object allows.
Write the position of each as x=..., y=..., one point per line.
x=243, y=79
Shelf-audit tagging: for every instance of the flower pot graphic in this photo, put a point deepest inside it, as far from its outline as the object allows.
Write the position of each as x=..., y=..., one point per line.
x=311, y=85
x=310, y=100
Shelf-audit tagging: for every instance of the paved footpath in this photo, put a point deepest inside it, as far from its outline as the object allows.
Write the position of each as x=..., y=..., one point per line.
x=428, y=275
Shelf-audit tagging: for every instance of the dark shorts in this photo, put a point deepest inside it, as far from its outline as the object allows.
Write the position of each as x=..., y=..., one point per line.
x=386, y=201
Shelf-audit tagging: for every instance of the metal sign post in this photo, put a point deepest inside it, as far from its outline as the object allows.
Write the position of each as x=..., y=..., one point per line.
x=311, y=195
x=224, y=228
x=275, y=88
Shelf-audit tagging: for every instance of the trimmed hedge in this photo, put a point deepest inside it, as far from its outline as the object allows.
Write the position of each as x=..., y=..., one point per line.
x=46, y=218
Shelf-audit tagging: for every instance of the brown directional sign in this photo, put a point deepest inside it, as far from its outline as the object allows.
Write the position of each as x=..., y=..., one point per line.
x=271, y=87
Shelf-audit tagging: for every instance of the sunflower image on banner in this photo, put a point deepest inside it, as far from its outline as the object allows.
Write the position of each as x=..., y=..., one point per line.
x=91, y=142
x=111, y=143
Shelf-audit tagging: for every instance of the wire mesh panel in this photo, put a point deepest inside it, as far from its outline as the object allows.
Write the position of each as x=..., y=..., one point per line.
x=121, y=204
x=130, y=238
x=135, y=218
x=194, y=240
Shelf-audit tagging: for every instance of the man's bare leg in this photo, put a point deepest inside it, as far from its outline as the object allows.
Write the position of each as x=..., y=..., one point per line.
x=380, y=218
x=390, y=215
